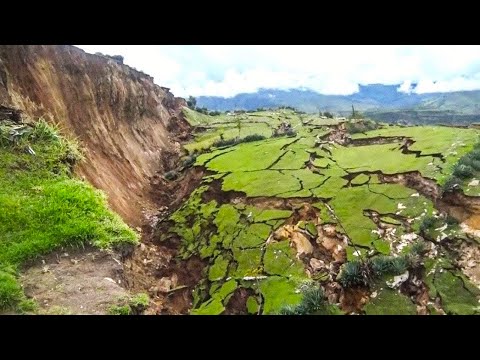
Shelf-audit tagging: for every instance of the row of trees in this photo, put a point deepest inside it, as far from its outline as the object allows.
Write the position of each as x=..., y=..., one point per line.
x=192, y=104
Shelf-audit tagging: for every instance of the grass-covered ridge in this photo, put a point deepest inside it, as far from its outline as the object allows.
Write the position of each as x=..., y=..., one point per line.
x=43, y=206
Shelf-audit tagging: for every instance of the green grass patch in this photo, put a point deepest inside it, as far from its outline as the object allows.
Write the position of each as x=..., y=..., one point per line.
x=44, y=207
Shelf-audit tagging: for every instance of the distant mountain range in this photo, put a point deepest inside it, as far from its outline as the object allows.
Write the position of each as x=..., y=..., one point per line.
x=379, y=101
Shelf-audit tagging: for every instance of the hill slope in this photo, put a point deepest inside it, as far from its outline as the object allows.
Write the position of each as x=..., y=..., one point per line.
x=123, y=120
x=378, y=100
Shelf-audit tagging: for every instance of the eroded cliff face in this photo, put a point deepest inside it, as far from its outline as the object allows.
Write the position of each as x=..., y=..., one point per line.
x=127, y=124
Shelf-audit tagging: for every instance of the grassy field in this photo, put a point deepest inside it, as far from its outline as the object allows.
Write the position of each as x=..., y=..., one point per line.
x=342, y=183
x=43, y=207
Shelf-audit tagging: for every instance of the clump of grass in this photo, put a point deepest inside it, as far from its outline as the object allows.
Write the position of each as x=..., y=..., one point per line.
x=289, y=310
x=451, y=221
x=119, y=310
x=463, y=171
x=44, y=208
x=353, y=273
x=380, y=265
x=313, y=301
x=419, y=247
x=427, y=223
x=139, y=302
x=466, y=168
x=356, y=273
x=27, y=306
x=134, y=305
x=10, y=290
x=398, y=265
x=452, y=183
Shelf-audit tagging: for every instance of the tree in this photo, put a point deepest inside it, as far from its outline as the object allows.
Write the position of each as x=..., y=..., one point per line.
x=192, y=102
x=238, y=124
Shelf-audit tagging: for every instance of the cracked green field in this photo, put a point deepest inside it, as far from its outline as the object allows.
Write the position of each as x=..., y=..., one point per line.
x=272, y=179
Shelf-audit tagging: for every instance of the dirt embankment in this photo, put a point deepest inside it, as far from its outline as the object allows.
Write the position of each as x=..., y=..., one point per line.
x=125, y=122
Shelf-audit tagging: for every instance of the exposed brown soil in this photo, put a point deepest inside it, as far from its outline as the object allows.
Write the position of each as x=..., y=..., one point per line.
x=122, y=119
x=469, y=261
x=168, y=280
x=376, y=140
x=237, y=304
x=352, y=300
x=74, y=281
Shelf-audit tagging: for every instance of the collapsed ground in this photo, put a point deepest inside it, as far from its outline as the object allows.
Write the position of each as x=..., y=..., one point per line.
x=375, y=220
x=263, y=207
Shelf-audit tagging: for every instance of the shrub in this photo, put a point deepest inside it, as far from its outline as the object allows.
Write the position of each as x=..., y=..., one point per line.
x=419, y=247
x=475, y=164
x=451, y=183
x=235, y=141
x=398, y=265
x=189, y=161
x=475, y=154
x=254, y=137
x=221, y=143
x=352, y=274
x=462, y=171
x=291, y=133
x=313, y=301
x=451, y=221
x=381, y=265
x=171, y=175
x=289, y=310
x=427, y=223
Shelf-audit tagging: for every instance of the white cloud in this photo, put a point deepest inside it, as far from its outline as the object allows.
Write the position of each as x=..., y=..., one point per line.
x=228, y=70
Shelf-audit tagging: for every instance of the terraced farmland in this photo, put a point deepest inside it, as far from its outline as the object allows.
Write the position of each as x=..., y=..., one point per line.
x=369, y=220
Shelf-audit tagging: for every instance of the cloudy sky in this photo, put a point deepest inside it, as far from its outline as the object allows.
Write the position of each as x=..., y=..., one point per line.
x=223, y=70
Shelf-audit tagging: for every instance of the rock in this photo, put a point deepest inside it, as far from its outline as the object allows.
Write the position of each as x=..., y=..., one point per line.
x=474, y=182
x=409, y=237
x=333, y=298
x=164, y=284
x=400, y=206
x=329, y=230
x=442, y=228
x=174, y=279
x=329, y=243
x=398, y=280
x=422, y=310
x=356, y=253
x=316, y=264
x=302, y=243
x=283, y=233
